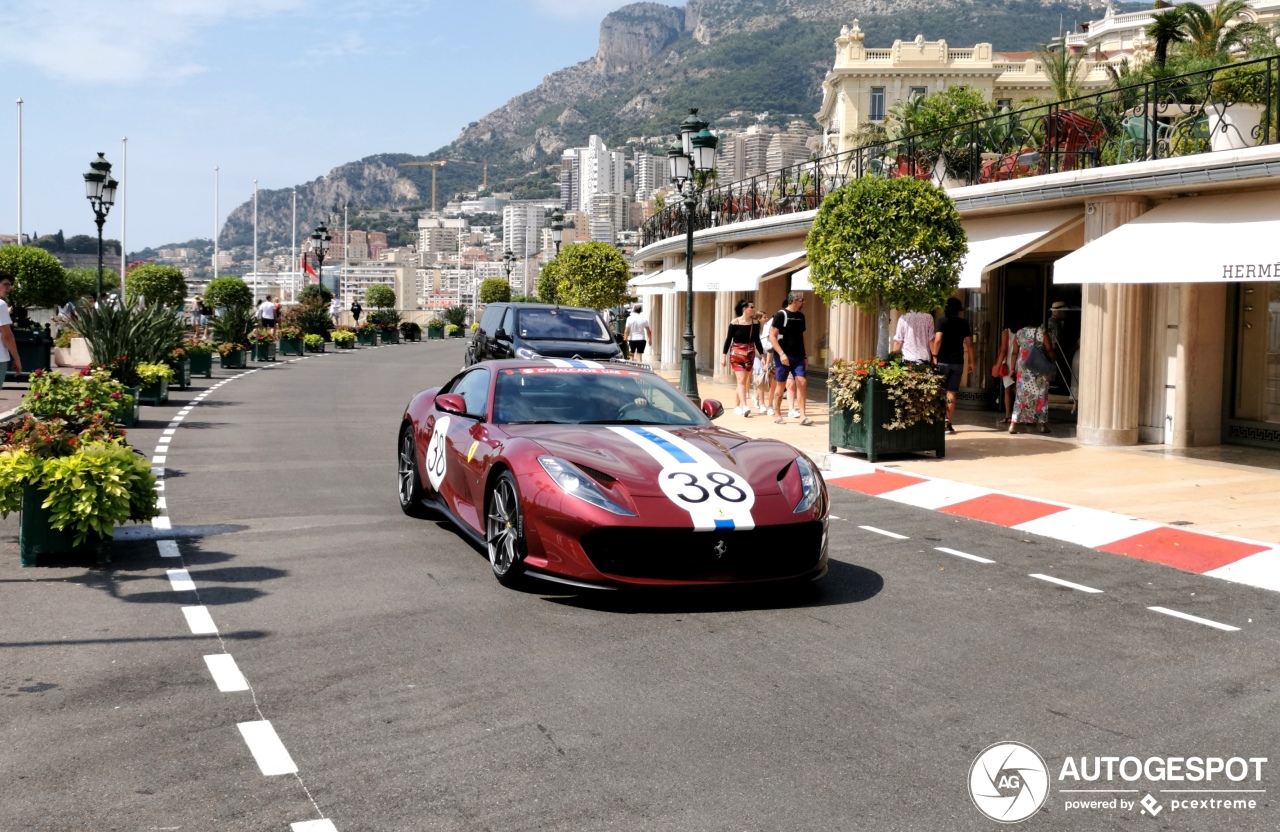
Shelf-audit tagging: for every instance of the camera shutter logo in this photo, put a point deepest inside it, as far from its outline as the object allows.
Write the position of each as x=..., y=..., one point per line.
x=1009, y=782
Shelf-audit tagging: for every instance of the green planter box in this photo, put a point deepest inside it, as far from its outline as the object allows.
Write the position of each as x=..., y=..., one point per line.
x=389, y=336
x=36, y=351
x=344, y=345
x=36, y=537
x=461, y=333
x=130, y=418
x=202, y=365
x=434, y=332
x=182, y=373
x=154, y=394
x=869, y=435
x=291, y=346
x=234, y=360
x=264, y=352
x=367, y=339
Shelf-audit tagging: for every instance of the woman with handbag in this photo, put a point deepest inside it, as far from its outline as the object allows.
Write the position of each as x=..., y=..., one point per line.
x=1005, y=371
x=1035, y=368
x=741, y=347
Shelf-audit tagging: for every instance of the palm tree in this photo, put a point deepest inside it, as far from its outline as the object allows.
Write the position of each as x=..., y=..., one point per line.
x=1215, y=32
x=1166, y=28
x=1064, y=69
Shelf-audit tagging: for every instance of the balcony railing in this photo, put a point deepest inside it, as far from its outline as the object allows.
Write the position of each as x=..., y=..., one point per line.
x=1225, y=108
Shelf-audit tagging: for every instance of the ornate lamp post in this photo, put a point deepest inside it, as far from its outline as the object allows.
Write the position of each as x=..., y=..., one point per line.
x=557, y=229
x=508, y=263
x=695, y=155
x=100, y=188
x=319, y=247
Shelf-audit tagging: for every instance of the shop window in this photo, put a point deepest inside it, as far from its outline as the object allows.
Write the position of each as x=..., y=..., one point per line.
x=876, y=113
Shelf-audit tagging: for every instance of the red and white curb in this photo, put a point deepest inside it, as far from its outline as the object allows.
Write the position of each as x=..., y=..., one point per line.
x=264, y=744
x=1235, y=559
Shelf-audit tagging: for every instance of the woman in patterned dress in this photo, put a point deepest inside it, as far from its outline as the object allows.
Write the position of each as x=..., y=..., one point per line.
x=1031, y=401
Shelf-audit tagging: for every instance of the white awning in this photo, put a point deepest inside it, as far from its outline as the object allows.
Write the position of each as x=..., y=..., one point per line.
x=800, y=281
x=995, y=241
x=743, y=270
x=1228, y=238
x=665, y=281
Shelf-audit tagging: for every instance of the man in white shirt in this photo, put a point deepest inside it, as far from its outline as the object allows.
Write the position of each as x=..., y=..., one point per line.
x=335, y=310
x=637, y=332
x=8, y=346
x=914, y=336
x=267, y=314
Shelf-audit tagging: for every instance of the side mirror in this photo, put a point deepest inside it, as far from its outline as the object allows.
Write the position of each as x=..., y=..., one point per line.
x=452, y=403
x=712, y=408
x=501, y=335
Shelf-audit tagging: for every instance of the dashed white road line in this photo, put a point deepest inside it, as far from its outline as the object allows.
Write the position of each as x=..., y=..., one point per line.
x=1195, y=618
x=199, y=620
x=960, y=554
x=181, y=580
x=226, y=675
x=168, y=548
x=162, y=522
x=322, y=825
x=894, y=535
x=1067, y=584
x=267, y=750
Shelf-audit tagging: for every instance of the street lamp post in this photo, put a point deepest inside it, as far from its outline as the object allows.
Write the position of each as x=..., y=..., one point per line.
x=100, y=188
x=319, y=245
x=508, y=263
x=695, y=155
x=557, y=229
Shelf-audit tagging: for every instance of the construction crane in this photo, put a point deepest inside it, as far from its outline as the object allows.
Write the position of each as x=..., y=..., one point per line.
x=484, y=184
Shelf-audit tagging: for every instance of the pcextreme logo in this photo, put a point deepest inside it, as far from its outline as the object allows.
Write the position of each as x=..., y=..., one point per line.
x=1009, y=782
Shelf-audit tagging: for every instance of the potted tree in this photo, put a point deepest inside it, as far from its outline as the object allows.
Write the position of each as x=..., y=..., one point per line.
x=39, y=282
x=367, y=334
x=154, y=380
x=886, y=244
x=231, y=330
x=455, y=316
x=291, y=340
x=180, y=363
x=264, y=345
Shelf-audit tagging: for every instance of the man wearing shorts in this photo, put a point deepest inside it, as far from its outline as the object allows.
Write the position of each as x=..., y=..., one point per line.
x=953, y=347
x=787, y=340
x=638, y=333
x=267, y=314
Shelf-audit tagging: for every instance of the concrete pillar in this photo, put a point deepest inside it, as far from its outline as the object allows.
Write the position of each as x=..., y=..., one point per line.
x=1112, y=327
x=1201, y=355
x=672, y=329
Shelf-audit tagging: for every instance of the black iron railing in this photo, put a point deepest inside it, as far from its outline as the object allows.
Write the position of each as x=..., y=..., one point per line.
x=1227, y=107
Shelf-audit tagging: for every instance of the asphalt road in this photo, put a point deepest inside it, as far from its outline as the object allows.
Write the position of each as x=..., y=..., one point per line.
x=412, y=692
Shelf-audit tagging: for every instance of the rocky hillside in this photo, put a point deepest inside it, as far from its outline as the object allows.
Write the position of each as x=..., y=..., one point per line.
x=653, y=62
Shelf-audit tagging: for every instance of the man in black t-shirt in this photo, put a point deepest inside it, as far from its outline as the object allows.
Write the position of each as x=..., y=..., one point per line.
x=787, y=341
x=953, y=347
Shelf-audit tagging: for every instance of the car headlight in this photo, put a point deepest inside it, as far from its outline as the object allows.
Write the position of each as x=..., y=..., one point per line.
x=525, y=352
x=577, y=484
x=810, y=487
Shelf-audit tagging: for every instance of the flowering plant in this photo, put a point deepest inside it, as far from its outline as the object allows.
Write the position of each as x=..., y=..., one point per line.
x=290, y=332
x=195, y=346
x=366, y=328
x=915, y=390
x=313, y=342
x=450, y=329
x=227, y=348
x=177, y=356
x=150, y=374
x=343, y=335
x=78, y=396
x=46, y=438
x=262, y=336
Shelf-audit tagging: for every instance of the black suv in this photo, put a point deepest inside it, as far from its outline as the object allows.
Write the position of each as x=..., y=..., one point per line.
x=540, y=330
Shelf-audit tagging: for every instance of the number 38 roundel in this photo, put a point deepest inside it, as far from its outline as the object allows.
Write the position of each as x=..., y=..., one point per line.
x=435, y=461
x=715, y=497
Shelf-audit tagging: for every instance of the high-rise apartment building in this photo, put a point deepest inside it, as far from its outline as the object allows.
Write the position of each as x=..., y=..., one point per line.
x=608, y=217
x=570, y=178
x=650, y=174
x=521, y=222
x=603, y=171
x=790, y=147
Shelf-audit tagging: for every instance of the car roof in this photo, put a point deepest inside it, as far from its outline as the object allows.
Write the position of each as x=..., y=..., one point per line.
x=517, y=363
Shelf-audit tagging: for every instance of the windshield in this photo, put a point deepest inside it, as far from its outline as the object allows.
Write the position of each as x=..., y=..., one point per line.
x=561, y=325
x=582, y=396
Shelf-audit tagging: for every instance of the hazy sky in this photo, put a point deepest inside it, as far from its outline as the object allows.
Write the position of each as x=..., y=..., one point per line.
x=277, y=90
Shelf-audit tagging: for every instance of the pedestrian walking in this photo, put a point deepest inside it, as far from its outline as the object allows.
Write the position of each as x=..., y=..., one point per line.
x=787, y=341
x=8, y=346
x=953, y=348
x=914, y=336
x=267, y=314
x=335, y=310
x=637, y=332
x=741, y=347
x=1005, y=370
x=1035, y=368
x=762, y=367
x=356, y=310
x=275, y=330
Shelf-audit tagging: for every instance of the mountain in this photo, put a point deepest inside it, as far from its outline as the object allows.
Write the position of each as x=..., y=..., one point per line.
x=732, y=58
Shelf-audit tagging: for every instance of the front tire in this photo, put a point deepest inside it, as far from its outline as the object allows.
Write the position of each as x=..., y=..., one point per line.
x=504, y=531
x=409, y=486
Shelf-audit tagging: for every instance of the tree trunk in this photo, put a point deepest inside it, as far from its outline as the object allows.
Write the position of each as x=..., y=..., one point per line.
x=882, y=331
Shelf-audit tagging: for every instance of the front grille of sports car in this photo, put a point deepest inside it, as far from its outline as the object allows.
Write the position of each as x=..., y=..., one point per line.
x=686, y=555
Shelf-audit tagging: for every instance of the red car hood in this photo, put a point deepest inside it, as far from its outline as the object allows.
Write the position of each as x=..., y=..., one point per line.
x=759, y=461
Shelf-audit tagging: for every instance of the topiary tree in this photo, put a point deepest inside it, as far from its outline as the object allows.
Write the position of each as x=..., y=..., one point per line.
x=887, y=244
x=82, y=282
x=593, y=275
x=39, y=281
x=155, y=284
x=380, y=297
x=314, y=294
x=228, y=292
x=549, y=282
x=495, y=290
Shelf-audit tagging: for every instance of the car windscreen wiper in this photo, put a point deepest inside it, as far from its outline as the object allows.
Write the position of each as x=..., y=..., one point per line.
x=538, y=422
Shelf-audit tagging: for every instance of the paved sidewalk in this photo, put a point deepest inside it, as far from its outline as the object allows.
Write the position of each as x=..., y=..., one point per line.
x=1147, y=501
